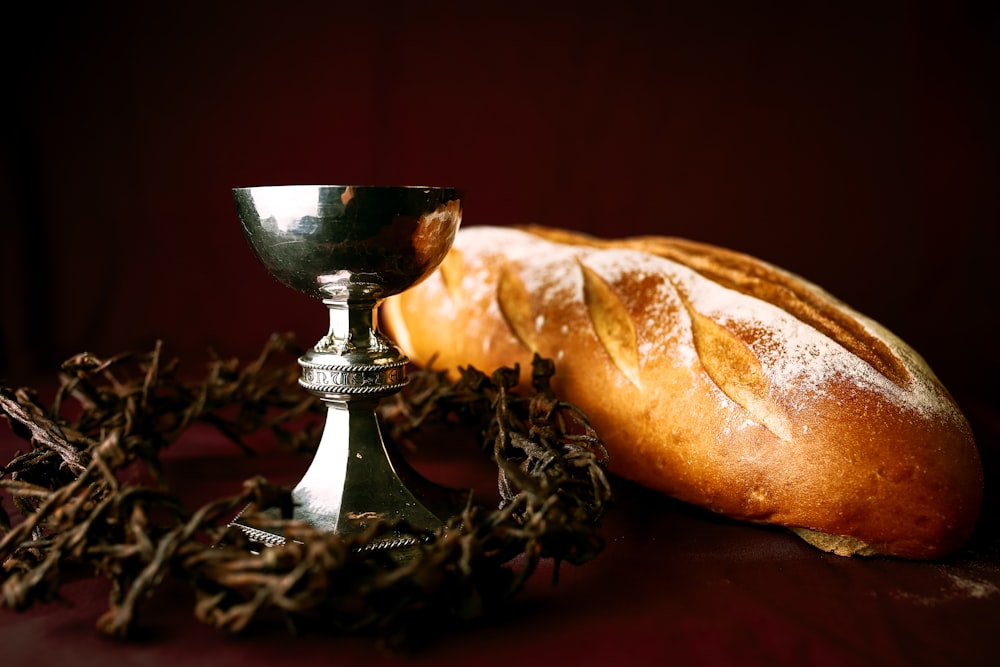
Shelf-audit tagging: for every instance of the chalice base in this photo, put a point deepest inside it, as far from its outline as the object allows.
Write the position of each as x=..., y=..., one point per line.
x=356, y=479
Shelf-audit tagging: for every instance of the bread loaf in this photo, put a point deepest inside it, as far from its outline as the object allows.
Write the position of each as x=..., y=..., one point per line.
x=716, y=378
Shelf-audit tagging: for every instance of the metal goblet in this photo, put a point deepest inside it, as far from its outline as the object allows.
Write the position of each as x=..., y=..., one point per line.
x=351, y=247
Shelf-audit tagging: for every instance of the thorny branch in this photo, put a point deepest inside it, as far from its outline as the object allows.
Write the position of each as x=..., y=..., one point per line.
x=90, y=491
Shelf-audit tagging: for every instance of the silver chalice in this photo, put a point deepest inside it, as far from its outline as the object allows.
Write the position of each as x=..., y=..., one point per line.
x=351, y=247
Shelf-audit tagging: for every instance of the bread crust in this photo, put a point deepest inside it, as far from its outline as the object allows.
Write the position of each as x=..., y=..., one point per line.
x=716, y=378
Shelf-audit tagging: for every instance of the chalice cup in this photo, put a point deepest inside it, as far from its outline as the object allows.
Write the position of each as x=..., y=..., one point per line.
x=351, y=247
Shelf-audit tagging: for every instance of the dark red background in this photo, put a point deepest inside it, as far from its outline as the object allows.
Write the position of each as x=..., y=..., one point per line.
x=853, y=143
x=855, y=146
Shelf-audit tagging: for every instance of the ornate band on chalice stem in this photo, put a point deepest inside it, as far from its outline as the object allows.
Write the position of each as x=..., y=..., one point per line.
x=351, y=247
x=330, y=380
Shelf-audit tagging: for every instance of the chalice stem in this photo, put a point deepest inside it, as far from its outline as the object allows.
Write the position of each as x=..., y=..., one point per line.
x=356, y=477
x=353, y=330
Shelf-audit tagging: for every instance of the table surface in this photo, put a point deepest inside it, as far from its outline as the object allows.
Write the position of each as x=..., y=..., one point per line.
x=675, y=584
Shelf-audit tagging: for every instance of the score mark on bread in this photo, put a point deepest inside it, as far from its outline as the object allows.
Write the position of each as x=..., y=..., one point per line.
x=737, y=371
x=612, y=323
x=515, y=306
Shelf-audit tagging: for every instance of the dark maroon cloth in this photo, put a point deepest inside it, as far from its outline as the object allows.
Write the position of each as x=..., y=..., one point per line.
x=856, y=146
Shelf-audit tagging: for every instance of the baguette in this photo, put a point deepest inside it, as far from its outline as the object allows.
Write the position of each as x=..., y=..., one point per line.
x=716, y=378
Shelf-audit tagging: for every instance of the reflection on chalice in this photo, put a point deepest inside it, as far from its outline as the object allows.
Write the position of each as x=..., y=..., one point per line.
x=351, y=247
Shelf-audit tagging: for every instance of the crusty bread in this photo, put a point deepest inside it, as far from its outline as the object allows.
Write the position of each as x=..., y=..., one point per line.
x=716, y=378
